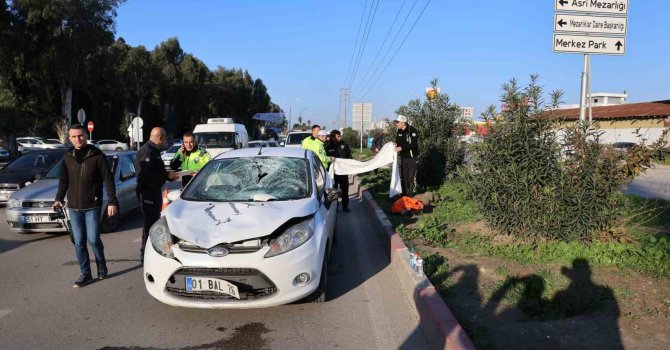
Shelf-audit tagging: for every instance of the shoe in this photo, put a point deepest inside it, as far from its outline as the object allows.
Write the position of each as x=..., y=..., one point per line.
x=102, y=275
x=82, y=281
x=346, y=210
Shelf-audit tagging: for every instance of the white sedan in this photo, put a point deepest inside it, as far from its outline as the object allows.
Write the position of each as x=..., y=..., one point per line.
x=250, y=230
x=111, y=145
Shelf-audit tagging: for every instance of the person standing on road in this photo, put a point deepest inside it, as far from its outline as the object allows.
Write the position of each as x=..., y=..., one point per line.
x=407, y=145
x=151, y=176
x=337, y=148
x=190, y=157
x=83, y=171
x=316, y=144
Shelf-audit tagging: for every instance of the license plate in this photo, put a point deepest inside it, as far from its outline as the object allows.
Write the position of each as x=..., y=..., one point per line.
x=38, y=219
x=199, y=284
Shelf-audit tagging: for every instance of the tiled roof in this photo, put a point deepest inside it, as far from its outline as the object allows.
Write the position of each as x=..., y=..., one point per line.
x=658, y=109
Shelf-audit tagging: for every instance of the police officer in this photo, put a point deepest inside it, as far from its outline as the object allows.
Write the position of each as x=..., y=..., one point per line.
x=151, y=176
x=316, y=144
x=407, y=145
x=337, y=148
x=190, y=157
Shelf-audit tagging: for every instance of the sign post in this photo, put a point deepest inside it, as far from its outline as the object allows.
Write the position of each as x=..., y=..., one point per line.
x=81, y=116
x=90, y=129
x=136, y=127
x=578, y=30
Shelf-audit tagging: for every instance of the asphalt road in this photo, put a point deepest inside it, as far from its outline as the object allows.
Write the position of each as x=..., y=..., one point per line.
x=654, y=183
x=39, y=309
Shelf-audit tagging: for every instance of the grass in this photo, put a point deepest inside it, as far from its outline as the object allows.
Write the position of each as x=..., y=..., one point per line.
x=358, y=155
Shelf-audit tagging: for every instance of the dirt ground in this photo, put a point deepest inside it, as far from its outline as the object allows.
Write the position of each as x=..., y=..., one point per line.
x=505, y=305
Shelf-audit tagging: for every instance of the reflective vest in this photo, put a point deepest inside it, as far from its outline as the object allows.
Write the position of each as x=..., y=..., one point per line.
x=315, y=145
x=193, y=161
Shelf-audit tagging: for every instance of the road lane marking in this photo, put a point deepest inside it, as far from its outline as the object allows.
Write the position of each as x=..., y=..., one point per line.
x=5, y=312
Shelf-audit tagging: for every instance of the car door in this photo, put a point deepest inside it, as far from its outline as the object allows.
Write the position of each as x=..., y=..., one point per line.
x=125, y=184
x=327, y=212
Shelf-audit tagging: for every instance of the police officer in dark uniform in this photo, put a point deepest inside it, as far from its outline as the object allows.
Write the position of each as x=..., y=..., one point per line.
x=151, y=176
x=337, y=148
x=407, y=145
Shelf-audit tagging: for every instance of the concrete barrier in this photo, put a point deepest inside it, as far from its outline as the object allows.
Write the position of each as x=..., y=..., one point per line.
x=437, y=322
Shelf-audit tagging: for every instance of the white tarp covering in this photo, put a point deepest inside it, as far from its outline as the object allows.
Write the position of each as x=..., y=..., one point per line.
x=386, y=156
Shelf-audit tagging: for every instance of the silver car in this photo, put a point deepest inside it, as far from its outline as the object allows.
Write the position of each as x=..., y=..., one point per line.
x=168, y=154
x=28, y=209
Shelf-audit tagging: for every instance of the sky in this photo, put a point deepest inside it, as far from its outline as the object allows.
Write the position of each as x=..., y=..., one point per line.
x=302, y=50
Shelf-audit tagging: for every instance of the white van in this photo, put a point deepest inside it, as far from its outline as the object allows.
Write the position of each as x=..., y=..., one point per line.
x=295, y=138
x=221, y=135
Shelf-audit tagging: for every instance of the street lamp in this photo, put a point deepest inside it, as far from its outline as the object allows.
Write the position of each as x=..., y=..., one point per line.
x=300, y=115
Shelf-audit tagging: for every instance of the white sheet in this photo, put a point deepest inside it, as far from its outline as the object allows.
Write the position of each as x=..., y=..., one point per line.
x=386, y=155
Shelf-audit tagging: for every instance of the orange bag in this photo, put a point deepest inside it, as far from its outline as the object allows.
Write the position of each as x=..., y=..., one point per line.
x=406, y=203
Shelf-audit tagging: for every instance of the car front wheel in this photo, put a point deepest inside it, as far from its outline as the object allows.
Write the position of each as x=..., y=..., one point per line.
x=319, y=295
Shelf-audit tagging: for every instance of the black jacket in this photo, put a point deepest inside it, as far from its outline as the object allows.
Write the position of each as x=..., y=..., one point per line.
x=338, y=150
x=378, y=142
x=151, y=173
x=408, y=139
x=82, y=182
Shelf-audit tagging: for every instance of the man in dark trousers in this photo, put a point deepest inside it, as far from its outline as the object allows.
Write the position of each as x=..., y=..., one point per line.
x=83, y=171
x=151, y=176
x=407, y=145
x=337, y=148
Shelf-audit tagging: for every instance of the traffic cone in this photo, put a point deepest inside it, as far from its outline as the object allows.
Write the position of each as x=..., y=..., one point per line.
x=166, y=202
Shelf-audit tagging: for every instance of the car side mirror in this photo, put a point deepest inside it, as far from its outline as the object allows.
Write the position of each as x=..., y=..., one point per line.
x=128, y=175
x=332, y=194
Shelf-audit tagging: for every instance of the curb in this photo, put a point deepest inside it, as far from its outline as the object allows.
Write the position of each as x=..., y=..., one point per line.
x=440, y=327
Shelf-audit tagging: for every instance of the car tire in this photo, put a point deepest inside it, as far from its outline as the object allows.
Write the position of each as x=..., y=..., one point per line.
x=118, y=149
x=319, y=295
x=108, y=224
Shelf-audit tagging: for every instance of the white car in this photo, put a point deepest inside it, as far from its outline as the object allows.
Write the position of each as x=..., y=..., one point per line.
x=111, y=145
x=250, y=230
x=295, y=138
x=37, y=143
x=259, y=144
x=168, y=154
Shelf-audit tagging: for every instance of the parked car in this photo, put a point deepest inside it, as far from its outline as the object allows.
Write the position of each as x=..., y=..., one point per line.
x=4, y=154
x=53, y=143
x=29, y=144
x=258, y=144
x=112, y=145
x=210, y=249
x=23, y=171
x=28, y=209
x=168, y=154
x=623, y=147
x=295, y=138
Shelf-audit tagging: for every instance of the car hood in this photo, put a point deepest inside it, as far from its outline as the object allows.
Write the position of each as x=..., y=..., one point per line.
x=207, y=224
x=18, y=176
x=40, y=190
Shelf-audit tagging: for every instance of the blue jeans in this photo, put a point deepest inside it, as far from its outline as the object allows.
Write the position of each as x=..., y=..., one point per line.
x=85, y=225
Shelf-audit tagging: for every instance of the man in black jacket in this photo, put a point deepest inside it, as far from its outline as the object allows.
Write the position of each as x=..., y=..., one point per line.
x=83, y=171
x=337, y=148
x=151, y=176
x=407, y=145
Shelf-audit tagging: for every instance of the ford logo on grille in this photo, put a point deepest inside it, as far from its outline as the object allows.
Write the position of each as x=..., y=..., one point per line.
x=218, y=251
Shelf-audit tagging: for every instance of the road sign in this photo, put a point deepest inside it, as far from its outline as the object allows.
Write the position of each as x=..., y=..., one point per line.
x=90, y=126
x=589, y=44
x=138, y=122
x=593, y=6
x=81, y=116
x=590, y=24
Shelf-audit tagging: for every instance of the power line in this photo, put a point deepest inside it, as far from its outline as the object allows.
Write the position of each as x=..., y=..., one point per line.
x=368, y=29
x=396, y=52
x=353, y=53
x=363, y=88
x=365, y=77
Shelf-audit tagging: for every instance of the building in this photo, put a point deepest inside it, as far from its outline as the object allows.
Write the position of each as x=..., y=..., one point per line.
x=362, y=116
x=467, y=114
x=621, y=122
x=603, y=99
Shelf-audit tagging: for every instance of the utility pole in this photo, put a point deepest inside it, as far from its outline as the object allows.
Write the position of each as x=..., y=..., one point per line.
x=344, y=101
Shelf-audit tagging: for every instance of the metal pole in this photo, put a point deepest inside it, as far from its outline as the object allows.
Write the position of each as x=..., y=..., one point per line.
x=361, y=127
x=582, y=99
x=590, y=91
x=289, y=127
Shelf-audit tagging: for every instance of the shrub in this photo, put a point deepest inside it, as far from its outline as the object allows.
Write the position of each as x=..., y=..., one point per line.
x=527, y=187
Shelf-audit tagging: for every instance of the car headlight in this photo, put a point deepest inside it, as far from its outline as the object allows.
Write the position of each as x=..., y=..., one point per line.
x=14, y=203
x=161, y=239
x=292, y=238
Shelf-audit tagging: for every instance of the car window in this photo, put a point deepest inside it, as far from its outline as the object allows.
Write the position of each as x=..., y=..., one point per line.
x=54, y=172
x=319, y=177
x=216, y=139
x=296, y=139
x=250, y=179
x=52, y=142
x=173, y=149
x=126, y=165
x=35, y=160
x=112, y=162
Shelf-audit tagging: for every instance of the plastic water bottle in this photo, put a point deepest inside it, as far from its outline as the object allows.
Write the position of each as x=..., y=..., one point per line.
x=411, y=258
x=419, y=267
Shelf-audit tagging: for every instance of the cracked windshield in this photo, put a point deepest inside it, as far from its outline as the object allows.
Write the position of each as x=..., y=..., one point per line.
x=250, y=179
